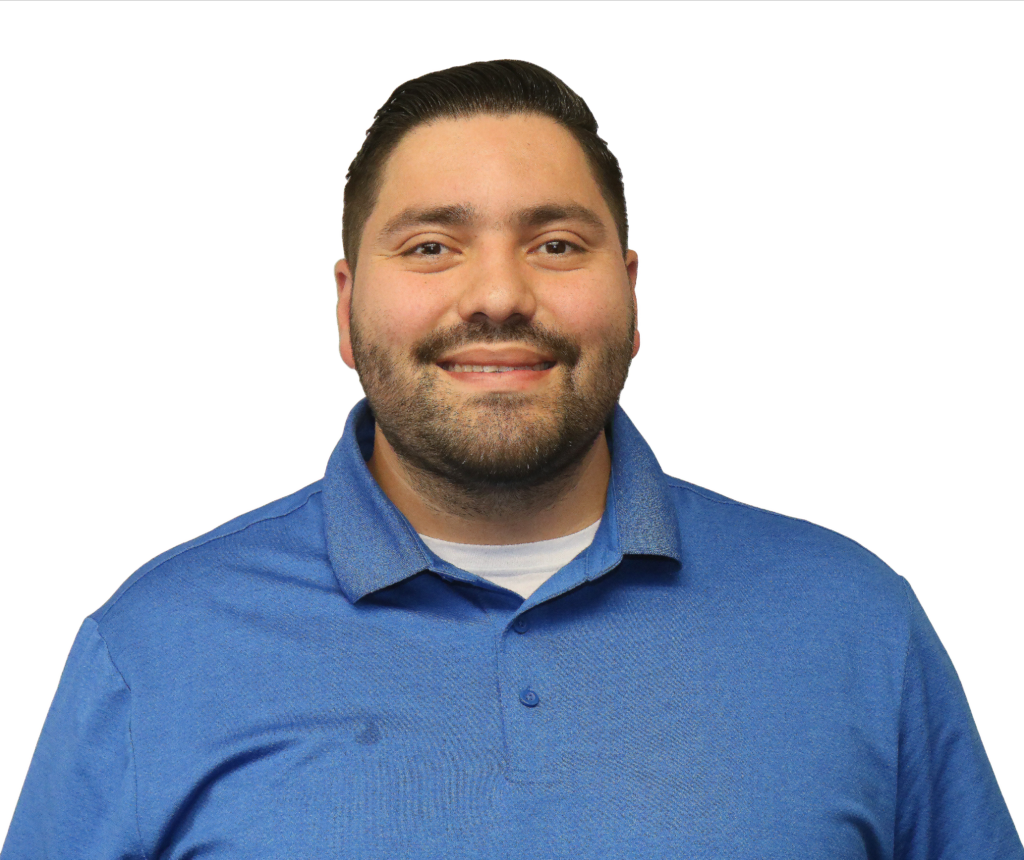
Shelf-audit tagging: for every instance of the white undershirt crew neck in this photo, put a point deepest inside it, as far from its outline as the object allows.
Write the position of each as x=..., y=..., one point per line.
x=519, y=567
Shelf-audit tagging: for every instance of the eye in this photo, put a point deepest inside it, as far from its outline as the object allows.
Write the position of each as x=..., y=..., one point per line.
x=559, y=247
x=427, y=249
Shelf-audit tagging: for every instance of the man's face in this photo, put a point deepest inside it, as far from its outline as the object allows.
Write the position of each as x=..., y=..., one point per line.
x=493, y=319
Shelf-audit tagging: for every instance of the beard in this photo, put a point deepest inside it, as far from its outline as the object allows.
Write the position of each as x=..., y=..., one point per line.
x=499, y=441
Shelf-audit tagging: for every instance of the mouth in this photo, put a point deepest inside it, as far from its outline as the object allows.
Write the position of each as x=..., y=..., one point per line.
x=452, y=367
x=510, y=367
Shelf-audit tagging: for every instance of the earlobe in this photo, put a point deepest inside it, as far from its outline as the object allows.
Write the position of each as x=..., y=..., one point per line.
x=343, y=279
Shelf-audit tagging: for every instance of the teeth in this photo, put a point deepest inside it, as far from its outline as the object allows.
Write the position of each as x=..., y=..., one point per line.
x=496, y=368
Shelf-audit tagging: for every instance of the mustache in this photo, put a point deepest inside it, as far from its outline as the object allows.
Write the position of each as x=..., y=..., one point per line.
x=565, y=349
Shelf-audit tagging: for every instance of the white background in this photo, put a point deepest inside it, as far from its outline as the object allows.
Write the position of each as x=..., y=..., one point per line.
x=828, y=204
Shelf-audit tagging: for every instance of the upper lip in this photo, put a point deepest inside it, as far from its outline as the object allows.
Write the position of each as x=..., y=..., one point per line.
x=509, y=356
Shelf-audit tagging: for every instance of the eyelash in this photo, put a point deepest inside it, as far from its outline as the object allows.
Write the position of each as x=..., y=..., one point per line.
x=412, y=251
x=565, y=242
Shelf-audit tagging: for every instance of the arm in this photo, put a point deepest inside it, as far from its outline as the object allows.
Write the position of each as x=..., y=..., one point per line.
x=79, y=798
x=948, y=802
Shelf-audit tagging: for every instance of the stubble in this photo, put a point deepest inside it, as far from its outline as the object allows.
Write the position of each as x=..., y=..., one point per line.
x=496, y=450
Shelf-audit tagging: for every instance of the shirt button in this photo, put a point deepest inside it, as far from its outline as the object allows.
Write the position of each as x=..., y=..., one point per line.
x=529, y=698
x=520, y=625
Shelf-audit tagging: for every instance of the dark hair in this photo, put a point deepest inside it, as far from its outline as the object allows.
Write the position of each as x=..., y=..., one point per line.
x=499, y=87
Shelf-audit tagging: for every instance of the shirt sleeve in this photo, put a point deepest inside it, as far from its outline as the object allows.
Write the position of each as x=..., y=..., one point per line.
x=948, y=802
x=79, y=795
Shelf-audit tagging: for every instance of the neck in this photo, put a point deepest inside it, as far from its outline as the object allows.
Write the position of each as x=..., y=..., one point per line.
x=438, y=508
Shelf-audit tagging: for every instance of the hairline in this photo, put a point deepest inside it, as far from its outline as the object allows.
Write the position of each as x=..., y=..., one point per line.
x=377, y=184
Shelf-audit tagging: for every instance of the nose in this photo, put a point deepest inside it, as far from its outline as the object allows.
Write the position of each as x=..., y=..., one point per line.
x=498, y=290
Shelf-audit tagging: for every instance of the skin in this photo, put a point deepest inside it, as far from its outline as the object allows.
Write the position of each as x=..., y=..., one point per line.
x=482, y=261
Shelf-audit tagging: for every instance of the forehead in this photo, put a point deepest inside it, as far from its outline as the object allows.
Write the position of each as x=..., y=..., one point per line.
x=493, y=162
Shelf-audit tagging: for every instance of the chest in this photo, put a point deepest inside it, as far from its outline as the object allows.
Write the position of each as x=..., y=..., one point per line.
x=650, y=738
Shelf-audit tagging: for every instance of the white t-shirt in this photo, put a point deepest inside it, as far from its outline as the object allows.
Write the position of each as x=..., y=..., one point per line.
x=519, y=567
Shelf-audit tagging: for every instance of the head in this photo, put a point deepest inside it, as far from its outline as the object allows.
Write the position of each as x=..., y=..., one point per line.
x=487, y=297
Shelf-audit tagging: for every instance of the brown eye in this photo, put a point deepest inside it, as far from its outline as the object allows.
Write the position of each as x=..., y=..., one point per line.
x=557, y=246
x=428, y=249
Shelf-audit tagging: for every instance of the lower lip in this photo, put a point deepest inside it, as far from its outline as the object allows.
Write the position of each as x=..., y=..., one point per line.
x=509, y=380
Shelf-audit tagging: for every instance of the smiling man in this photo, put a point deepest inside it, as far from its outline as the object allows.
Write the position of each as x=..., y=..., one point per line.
x=492, y=327
x=496, y=625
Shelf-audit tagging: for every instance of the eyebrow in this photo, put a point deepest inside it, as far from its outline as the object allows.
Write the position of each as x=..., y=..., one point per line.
x=458, y=215
x=547, y=213
x=464, y=215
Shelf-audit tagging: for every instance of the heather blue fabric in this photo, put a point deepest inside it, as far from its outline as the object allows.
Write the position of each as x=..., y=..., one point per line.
x=706, y=680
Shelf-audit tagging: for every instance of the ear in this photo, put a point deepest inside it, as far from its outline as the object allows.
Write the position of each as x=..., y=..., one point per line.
x=632, y=262
x=343, y=278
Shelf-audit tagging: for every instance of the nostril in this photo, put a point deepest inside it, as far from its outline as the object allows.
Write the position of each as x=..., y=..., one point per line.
x=513, y=319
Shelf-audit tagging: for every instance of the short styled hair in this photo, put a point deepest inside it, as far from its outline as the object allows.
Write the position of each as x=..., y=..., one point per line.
x=499, y=87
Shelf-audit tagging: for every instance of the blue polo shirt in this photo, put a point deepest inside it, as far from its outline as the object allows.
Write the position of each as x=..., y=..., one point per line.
x=706, y=680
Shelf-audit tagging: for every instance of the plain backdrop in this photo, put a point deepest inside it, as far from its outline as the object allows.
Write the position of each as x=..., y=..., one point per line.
x=828, y=204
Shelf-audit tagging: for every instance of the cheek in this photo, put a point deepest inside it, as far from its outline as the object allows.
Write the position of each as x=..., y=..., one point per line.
x=397, y=314
x=592, y=315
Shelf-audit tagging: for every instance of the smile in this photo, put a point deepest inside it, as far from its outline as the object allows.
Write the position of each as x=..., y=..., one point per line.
x=495, y=368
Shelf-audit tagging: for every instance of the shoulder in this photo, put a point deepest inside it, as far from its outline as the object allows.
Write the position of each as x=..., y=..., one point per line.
x=802, y=565
x=229, y=557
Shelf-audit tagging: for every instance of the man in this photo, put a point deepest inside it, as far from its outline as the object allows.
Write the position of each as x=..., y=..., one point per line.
x=495, y=625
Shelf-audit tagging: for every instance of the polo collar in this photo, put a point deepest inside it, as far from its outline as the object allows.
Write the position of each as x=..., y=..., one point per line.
x=371, y=544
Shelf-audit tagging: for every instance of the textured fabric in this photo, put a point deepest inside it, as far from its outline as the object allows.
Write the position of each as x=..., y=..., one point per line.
x=519, y=567
x=706, y=680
